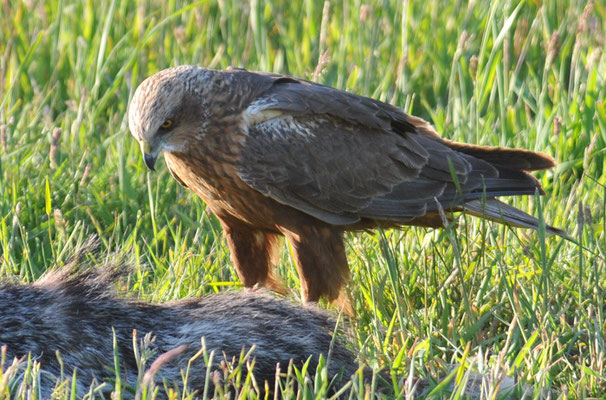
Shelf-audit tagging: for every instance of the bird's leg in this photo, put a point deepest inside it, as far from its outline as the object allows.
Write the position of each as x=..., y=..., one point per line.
x=252, y=252
x=321, y=261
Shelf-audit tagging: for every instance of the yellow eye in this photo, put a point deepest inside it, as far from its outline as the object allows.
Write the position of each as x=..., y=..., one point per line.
x=167, y=124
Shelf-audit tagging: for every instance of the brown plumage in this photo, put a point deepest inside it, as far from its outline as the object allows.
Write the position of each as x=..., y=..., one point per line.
x=276, y=155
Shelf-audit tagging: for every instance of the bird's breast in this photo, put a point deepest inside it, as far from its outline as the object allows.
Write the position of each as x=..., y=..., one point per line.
x=218, y=184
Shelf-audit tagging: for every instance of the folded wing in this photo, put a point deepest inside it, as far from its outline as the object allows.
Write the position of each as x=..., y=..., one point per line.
x=341, y=158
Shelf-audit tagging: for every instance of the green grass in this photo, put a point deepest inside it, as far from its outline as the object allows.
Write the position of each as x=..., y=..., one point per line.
x=492, y=300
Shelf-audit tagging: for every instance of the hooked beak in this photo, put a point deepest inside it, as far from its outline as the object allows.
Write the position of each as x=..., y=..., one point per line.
x=148, y=156
x=150, y=161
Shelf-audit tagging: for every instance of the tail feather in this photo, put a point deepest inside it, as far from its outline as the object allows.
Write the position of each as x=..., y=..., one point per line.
x=516, y=159
x=498, y=211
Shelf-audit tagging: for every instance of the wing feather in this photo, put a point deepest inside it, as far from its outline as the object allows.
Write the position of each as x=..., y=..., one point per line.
x=324, y=166
x=341, y=157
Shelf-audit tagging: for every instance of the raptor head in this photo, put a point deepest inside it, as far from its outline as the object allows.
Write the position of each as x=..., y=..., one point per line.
x=162, y=111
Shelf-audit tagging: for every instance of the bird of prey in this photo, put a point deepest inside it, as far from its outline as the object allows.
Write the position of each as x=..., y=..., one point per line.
x=277, y=155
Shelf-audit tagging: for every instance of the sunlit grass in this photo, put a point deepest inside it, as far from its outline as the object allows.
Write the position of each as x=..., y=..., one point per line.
x=496, y=301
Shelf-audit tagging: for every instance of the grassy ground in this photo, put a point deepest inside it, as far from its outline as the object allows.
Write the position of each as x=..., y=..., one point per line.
x=496, y=301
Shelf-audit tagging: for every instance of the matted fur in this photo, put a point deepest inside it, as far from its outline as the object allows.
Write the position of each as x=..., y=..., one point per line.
x=73, y=310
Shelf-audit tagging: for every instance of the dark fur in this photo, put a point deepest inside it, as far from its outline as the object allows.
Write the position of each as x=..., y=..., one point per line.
x=73, y=312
